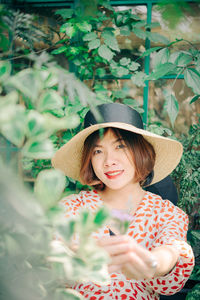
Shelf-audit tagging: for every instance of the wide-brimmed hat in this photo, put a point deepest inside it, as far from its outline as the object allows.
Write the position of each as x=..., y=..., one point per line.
x=68, y=157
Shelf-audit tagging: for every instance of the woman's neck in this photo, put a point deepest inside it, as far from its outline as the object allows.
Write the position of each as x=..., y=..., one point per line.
x=128, y=198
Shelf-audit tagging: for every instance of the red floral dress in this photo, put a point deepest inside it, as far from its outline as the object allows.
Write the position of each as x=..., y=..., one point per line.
x=156, y=222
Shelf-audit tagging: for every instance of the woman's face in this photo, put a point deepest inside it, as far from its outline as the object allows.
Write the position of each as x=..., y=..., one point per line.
x=112, y=162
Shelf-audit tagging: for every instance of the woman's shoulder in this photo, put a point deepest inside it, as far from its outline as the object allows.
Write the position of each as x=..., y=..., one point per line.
x=165, y=206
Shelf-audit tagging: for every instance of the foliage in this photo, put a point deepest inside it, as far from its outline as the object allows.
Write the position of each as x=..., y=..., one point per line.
x=194, y=293
x=168, y=62
x=35, y=103
x=19, y=32
x=186, y=175
x=172, y=11
x=194, y=239
x=33, y=264
x=91, y=44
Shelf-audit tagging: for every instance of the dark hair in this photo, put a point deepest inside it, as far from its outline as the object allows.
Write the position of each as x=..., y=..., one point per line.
x=142, y=151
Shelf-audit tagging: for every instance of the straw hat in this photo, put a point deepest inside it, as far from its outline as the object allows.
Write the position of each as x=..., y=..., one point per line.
x=68, y=157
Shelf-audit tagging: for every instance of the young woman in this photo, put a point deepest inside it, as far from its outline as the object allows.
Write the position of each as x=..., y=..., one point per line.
x=116, y=156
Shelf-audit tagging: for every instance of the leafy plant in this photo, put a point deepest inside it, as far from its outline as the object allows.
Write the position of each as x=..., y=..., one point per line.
x=35, y=265
x=19, y=33
x=44, y=93
x=194, y=293
x=90, y=43
x=168, y=62
x=186, y=175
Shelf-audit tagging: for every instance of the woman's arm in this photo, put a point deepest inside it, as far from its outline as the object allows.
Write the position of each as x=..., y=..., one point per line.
x=166, y=257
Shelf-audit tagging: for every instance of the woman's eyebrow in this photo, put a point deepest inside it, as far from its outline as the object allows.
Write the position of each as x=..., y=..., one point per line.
x=118, y=140
x=114, y=142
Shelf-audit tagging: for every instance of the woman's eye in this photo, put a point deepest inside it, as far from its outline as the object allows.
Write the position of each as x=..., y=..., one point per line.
x=121, y=146
x=96, y=152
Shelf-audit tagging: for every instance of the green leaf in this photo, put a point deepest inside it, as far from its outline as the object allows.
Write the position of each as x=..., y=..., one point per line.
x=105, y=52
x=68, y=229
x=50, y=78
x=64, y=26
x=4, y=42
x=140, y=33
x=35, y=124
x=84, y=217
x=50, y=100
x=124, y=61
x=53, y=123
x=90, y=36
x=5, y=70
x=183, y=59
x=14, y=128
x=157, y=38
x=162, y=70
x=120, y=71
x=195, y=98
x=173, y=57
x=38, y=149
x=94, y=44
x=139, y=23
x=152, y=25
x=171, y=106
x=133, y=66
x=65, y=13
x=27, y=82
x=59, y=50
x=10, y=99
x=69, y=29
x=101, y=72
x=101, y=216
x=49, y=187
x=192, y=79
x=110, y=40
x=131, y=102
x=161, y=57
x=84, y=26
x=194, y=293
x=139, y=78
x=124, y=30
x=149, y=51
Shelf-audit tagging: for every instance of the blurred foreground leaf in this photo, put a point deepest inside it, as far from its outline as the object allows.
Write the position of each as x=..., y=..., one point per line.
x=49, y=186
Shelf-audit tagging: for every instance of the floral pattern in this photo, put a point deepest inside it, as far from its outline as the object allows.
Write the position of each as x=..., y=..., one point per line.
x=156, y=222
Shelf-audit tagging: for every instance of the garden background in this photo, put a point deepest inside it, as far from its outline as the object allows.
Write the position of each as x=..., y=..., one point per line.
x=58, y=60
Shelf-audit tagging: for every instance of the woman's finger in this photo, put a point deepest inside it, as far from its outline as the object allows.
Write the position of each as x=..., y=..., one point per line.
x=112, y=240
x=117, y=249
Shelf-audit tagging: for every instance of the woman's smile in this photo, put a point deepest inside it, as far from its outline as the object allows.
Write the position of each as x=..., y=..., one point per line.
x=114, y=174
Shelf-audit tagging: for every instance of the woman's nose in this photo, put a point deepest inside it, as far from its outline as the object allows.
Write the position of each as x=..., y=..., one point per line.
x=109, y=159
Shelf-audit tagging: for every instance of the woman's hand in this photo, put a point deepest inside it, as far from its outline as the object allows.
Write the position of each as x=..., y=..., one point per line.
x=128, y=257
x=136, y=262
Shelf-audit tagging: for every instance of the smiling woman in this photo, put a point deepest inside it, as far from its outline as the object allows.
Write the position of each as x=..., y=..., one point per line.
x=118, y=158
x=123, y=145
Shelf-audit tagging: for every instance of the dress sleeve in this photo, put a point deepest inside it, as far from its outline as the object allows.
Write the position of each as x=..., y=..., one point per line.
x=172, y=229
x=72, y=205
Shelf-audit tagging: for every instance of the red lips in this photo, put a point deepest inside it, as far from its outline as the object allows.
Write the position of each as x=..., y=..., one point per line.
x=113, y=174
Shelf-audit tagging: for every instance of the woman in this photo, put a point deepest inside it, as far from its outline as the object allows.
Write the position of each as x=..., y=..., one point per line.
x=116, y=156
